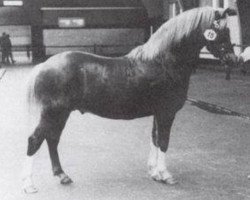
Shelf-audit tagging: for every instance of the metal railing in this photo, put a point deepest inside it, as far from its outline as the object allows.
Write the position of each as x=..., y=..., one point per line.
x=21, y=48
x=98, y=48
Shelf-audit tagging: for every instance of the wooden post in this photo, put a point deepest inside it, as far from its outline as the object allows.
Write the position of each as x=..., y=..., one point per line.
x=38, y=52
x=181, y=5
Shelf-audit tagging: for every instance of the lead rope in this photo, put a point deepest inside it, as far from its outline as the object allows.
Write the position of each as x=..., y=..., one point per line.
x=213, y=108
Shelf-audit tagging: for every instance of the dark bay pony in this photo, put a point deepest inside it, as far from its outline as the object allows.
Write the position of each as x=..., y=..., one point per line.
x=152, y=79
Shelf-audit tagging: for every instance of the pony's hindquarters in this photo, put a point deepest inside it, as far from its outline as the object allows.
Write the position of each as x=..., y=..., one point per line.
x=48, y=93
x=48, y=108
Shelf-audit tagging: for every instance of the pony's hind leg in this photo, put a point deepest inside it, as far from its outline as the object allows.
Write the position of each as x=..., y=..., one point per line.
x=56, y=166
x=27, y=181
x=55, y=120
x=50, y=126
x=34, y=143
x=159, y=146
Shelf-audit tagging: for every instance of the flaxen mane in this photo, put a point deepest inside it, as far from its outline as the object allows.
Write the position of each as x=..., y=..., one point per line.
x=173, y=33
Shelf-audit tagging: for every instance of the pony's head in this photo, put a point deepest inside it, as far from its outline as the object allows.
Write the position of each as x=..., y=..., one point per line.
x=217, y=37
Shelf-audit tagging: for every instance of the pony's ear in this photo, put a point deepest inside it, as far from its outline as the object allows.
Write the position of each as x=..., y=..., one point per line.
x=229, y=11
x=222, y=13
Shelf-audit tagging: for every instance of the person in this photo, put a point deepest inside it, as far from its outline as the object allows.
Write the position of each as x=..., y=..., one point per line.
x=244, y=60
x=9, y=55
x=3, y=47
x=229, y=63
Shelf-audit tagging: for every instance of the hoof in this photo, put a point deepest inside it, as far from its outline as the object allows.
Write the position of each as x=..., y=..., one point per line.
x=163, y=176
x=65, y=179
x=151, y=169
x=30, y=189
x=170, y=181
x=28, y=186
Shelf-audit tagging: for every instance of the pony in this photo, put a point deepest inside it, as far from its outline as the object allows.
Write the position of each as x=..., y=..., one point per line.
x=151, y=80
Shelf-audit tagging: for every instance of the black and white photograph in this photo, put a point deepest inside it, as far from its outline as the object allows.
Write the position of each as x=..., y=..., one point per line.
x=124, y=99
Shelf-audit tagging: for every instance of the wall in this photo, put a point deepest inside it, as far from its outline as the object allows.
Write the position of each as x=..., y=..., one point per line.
x=19, y=35
x=154, y=8
x=30, y=12
x=113, y=18
x=205, y=3
x=13, y=16
x=244, y=12
x=114, y=41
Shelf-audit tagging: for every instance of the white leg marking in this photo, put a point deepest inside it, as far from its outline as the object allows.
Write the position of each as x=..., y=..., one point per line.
x=152, y=159
x=161, y=164
x=160, y=172
x=28, y=185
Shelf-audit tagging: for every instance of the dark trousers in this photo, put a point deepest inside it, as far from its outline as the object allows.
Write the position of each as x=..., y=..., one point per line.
x=4, y=55
x=7, y=56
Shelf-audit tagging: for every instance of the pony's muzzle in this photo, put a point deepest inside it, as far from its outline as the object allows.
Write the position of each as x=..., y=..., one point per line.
x=230, y=59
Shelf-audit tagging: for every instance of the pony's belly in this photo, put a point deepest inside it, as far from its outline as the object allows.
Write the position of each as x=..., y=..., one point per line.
x=122, y=115
x=117, y=110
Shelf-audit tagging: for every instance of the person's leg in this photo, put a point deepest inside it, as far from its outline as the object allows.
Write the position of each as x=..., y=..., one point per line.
x=7, y=56
x=4, y=55
x=228, y=72
x=11, y=57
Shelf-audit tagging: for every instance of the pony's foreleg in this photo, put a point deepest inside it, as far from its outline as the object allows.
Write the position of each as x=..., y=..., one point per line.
x=153, y=154
x=163, y=126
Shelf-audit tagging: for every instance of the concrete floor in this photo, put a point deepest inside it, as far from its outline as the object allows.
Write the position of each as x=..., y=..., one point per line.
x=208, y=154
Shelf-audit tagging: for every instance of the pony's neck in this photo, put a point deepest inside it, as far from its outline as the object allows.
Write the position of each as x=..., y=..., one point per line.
x=181, y=36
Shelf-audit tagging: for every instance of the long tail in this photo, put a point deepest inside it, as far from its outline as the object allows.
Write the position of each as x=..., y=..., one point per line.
x=34, y=110
x=32, y=103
